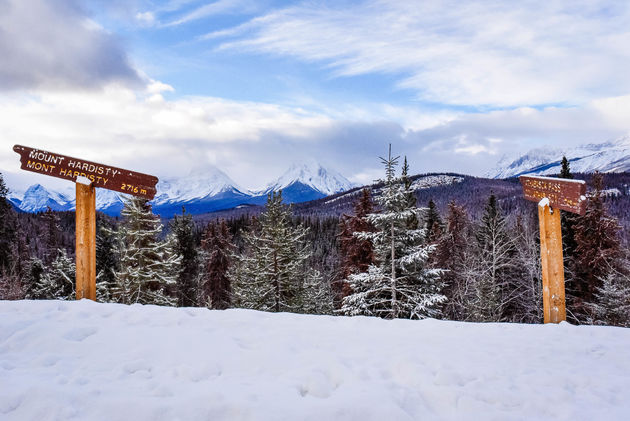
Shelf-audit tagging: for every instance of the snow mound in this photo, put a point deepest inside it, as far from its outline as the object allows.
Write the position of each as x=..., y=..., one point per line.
x=88, y=361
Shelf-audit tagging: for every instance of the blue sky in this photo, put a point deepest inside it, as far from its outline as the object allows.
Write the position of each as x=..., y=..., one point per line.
x=169, y=87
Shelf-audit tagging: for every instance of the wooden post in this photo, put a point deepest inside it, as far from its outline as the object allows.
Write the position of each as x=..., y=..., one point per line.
x=552, y=264
x=86, y=241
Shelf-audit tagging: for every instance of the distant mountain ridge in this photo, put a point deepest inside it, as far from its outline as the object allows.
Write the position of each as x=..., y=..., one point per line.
x=611, y=156
x=199, y=192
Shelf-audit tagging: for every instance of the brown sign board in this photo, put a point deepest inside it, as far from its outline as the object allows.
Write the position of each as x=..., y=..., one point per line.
x=568, y=195
x=69, y=168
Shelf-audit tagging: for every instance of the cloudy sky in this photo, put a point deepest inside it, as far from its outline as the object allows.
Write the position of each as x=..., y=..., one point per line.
x=251, y=86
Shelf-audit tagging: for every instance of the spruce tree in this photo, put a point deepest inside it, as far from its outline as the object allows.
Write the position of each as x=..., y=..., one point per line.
x=456, y=255
x=148, y=267
x=567, y=221
x=183, y=230
x=598, y=245
x=217, y=246
x=356, y=254
x=7, y=230
x=106, y=260
x=496, y=253
x=272, y=274
x=612, y=299
x=433, y=223
x=58, y=279
x=401, y=285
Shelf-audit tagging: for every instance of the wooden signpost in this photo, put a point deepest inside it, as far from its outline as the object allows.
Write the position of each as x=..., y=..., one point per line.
x=553, y=194
x=87, y=175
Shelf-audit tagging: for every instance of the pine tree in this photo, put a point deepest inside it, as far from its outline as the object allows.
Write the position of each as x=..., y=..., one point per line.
x=272, y=275
x=356, y=254
x=497, y=250
x=183, y=230
x=148, y=267
x=58, y=279
x=217, y=246
x=400, y=285
x=598, y=245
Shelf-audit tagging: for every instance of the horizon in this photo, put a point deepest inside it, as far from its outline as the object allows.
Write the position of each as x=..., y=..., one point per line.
x=250, y=87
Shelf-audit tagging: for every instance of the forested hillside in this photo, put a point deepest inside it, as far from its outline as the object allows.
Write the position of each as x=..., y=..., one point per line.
x=457, y=247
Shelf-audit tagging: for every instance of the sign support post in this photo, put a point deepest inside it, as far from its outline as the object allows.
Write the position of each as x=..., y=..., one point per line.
x=554, y=310
x=87, y=175
x=552, y=195
x=85, y=240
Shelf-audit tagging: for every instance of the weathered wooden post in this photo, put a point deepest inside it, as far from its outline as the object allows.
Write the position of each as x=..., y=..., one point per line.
x=85, y=246
x=553, y=194
x=87, y=175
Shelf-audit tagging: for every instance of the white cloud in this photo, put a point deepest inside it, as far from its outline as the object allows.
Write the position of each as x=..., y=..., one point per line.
x=54, y=45
x=254, y=142
x=497, y=53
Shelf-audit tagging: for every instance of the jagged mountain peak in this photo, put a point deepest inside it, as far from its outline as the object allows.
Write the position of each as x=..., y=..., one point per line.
x=198, y=184
x=314, y=175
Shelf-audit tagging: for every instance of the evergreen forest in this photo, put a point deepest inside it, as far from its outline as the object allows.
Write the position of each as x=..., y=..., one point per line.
x=468, y=251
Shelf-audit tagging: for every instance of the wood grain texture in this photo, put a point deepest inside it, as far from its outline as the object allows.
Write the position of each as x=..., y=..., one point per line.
x=86, y=242
x=568, y=195
x=554, y=309
x=101, y=175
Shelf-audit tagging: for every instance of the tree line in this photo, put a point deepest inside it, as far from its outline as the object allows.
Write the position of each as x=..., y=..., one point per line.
x=388, y=258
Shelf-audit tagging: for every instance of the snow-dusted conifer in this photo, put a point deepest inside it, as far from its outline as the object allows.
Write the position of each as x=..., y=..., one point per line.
x=58, y=279
x=356, y=255
x=612, y=300
x=497, y=251
x=183, y=234
x=401, y=285
x=272, y=275
x=148, y=267
x=217, y=248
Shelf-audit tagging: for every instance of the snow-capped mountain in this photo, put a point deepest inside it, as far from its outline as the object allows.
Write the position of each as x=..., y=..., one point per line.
x=199, y=192
x=308, y=181
x=37, y=198
x=612, y=156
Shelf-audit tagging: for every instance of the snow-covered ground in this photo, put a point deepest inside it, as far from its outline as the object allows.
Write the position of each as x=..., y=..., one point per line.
x=87, y=361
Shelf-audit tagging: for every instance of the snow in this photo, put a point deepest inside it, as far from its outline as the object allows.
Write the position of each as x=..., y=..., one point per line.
x=87, y=361
x=312, y=174
x=429, y=181
x=544, y=202
x=611, y=156
x=197, y=185
x=83, y=180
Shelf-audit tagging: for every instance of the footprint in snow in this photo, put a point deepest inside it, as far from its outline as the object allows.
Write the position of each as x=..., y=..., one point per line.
x=80, y=334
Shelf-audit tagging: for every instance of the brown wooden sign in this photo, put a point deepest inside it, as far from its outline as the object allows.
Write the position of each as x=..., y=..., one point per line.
x=69, y=168
x=568, y=195
x=558, y=193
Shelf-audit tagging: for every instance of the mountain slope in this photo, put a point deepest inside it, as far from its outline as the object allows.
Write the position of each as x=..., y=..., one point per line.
x=307, y=181
x=612, y=156
x=199, y=192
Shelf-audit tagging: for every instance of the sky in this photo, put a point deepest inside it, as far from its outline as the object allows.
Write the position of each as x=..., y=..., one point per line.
x=251, y=86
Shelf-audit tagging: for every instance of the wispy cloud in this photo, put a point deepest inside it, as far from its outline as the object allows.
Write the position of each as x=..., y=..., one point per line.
x=482, y=53
x=210, y=9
